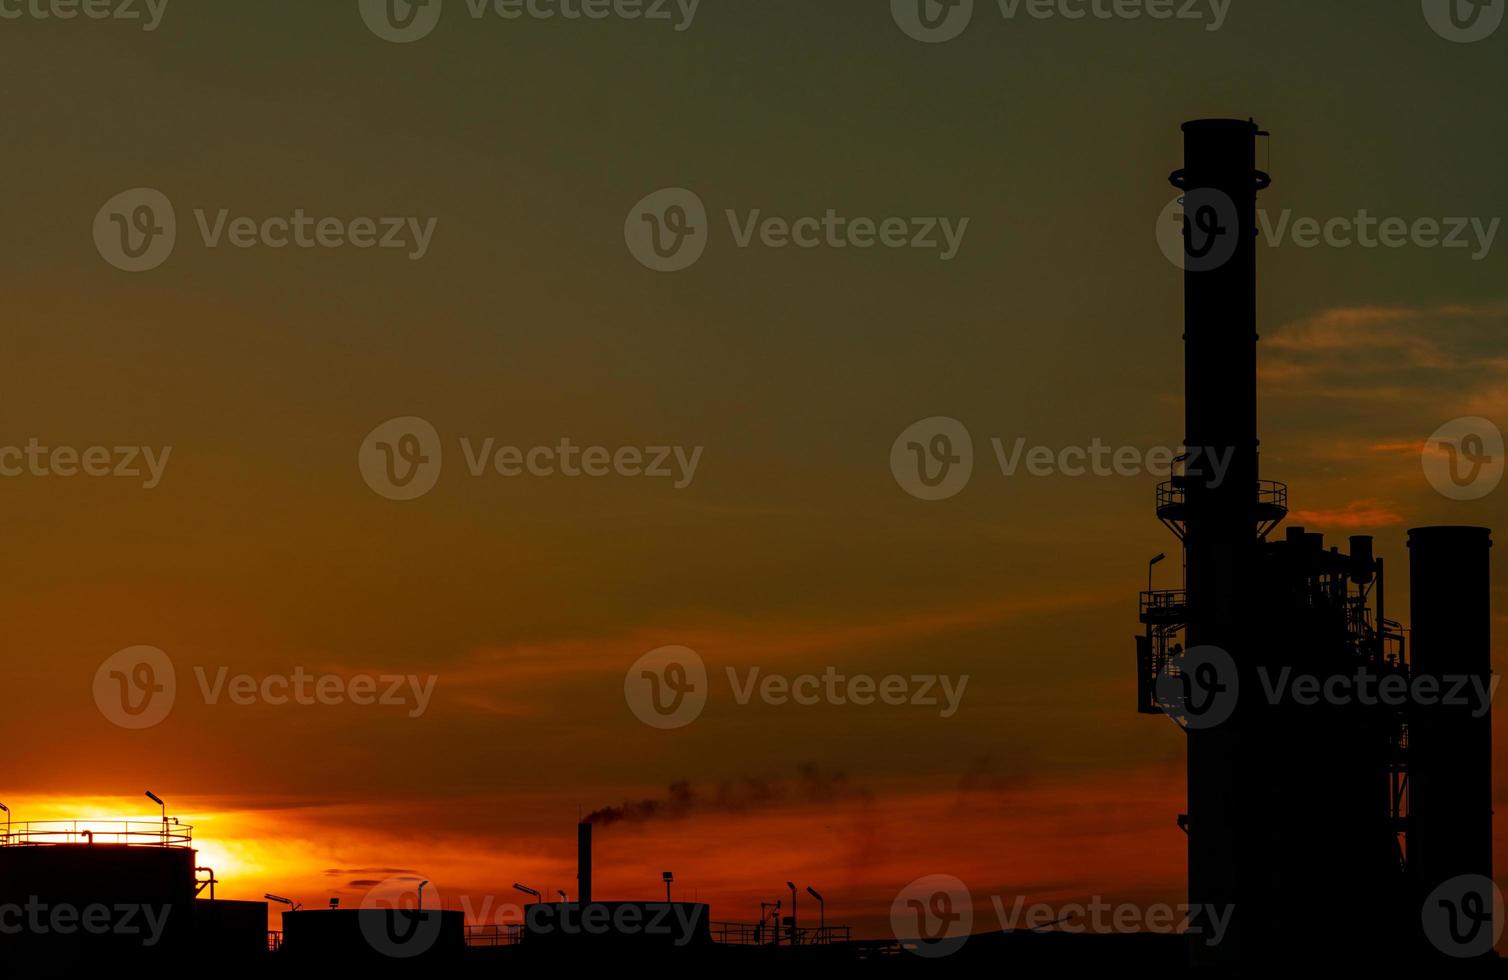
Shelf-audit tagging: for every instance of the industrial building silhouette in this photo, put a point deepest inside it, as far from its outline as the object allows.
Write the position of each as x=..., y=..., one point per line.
x=1335, y=830
x=1325, y=823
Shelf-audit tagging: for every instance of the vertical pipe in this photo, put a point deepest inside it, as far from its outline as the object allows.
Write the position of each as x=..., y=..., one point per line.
x=584, y=863
x=1220, y=181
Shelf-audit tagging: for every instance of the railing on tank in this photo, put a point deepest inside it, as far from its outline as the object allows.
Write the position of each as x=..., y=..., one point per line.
x=752, y=934
x=503, y=934
x=274, y=940
x=131, y=833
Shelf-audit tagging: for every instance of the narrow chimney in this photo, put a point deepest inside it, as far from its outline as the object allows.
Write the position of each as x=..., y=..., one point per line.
x=1220, y=181
x=584, y=863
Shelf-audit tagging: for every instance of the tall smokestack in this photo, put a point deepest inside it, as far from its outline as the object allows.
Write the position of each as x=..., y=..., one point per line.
x=584, y=862
x=1220, y=181
x=1450, y=744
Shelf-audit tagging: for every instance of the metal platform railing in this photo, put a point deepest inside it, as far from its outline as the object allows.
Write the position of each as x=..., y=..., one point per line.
x=751, y=934
x=506, y=934
x=1270, y=494
x=130, y=833
x=1164, y=603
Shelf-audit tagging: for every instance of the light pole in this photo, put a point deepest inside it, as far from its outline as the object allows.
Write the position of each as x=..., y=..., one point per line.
x=421, y=894
x=7, y=821
x=795, y=936
x=668, y=878
x=158, y=800
x=563, y=899
x=1154, y=561
x=821, y=912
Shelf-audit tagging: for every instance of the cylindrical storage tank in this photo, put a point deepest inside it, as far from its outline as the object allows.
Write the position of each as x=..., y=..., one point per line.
x=67, y=903
x=1450, y=723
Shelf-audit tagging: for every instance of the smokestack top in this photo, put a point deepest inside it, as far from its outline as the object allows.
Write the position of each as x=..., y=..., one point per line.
x=1220, y=153
x=1209, y=125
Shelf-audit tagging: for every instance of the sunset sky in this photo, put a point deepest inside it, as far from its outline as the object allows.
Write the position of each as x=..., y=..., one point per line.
x=262, y=550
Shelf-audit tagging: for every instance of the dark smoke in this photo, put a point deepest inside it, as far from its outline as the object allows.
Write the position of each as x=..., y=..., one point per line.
x=682, y=799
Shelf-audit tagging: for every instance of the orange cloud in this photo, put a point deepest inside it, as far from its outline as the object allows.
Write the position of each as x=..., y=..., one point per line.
x=1354, y=516
x=489, y=679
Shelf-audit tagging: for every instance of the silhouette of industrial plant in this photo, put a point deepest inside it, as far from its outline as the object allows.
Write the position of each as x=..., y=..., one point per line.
x=1333, y=831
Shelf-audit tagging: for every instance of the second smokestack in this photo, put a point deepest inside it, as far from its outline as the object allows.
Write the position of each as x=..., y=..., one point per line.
x=583, y=863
